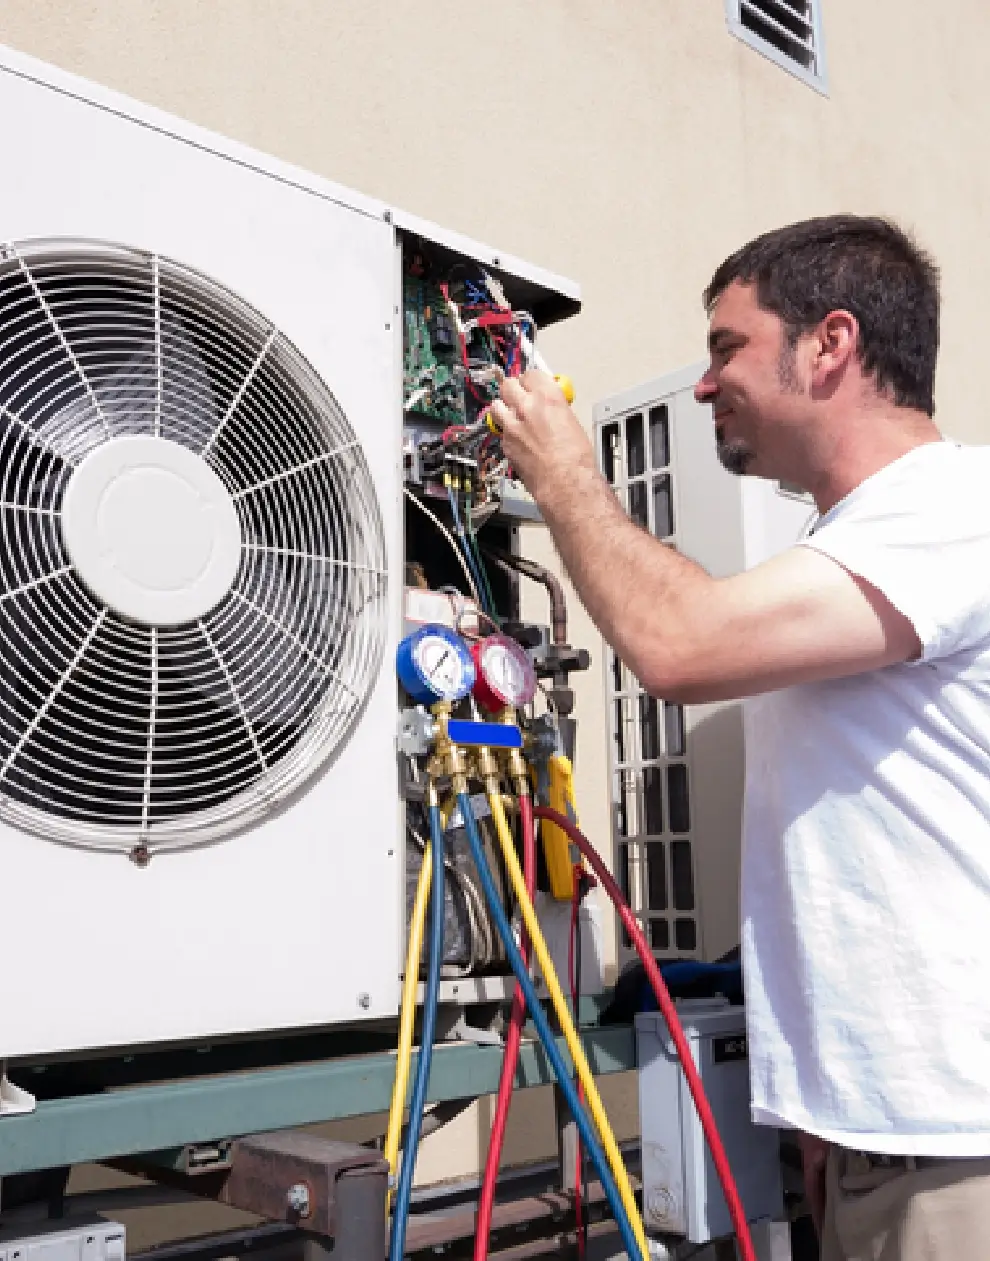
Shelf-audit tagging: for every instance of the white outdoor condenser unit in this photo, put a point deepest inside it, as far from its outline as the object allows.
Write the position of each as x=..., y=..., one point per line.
x=677, y=771
x=201, y=569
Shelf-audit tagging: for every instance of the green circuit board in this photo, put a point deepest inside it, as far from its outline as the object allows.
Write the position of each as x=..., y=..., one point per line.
x=433, y=384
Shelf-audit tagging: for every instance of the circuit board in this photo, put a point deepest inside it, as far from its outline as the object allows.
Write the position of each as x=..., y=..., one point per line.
x=433, y=384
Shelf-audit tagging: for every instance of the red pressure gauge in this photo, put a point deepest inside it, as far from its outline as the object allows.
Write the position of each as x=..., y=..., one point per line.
x=506, y=678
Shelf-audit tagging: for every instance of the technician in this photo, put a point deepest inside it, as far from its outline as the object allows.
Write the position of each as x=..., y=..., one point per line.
x=864, y=652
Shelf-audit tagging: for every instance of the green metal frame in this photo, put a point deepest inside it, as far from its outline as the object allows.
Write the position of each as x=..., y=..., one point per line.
x=161, y=1117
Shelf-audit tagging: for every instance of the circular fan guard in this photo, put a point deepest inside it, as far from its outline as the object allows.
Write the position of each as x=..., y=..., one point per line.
x=117, y=734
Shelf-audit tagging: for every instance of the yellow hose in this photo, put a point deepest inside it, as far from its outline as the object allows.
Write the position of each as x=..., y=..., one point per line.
x=407, y=1020
x=564, y=1017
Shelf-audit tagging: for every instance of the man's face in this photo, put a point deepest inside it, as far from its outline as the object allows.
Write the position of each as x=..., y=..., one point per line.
x=752, y=384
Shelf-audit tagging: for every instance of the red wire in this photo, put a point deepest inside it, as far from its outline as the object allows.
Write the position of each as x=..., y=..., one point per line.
x=666, y=1005
x=572, y=978
x=445, y=290
x=510, y=1056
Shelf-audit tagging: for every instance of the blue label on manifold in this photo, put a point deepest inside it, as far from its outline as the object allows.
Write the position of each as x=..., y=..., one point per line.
x=494, y=735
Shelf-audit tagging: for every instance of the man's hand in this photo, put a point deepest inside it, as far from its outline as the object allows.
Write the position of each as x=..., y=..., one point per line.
x=542, y=438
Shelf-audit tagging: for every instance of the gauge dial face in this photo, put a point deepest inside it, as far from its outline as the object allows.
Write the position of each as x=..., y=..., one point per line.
x=508, y=671
x=444, y=664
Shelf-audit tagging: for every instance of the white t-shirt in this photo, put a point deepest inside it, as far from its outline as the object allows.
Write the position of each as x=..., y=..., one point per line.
x=866, y=852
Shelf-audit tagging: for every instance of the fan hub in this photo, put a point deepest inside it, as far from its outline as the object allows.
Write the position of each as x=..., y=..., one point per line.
x=151, y=530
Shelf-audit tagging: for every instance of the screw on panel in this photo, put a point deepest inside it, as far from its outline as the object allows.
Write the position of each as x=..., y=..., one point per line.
x=140, y=855
x=387, y=216
x=364, y=1000
x=297, y=1198
x=660, y=1205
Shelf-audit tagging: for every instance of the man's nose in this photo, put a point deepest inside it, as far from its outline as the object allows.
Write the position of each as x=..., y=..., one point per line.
x=706, y=389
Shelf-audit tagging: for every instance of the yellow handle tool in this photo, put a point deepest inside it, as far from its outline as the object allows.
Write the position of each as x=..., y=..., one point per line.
x=566, y=386
x=556, y=846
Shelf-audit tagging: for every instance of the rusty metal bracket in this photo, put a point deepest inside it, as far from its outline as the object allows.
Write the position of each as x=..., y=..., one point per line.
x=326, y=1188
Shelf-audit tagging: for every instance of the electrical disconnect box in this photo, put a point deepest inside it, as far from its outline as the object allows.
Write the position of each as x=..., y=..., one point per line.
x=76, y=1239
x=681, y=1190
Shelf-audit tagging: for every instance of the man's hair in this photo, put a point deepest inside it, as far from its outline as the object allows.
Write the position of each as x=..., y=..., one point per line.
x=866, y=266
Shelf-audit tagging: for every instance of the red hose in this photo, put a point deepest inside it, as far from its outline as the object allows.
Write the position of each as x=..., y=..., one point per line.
x=510, y=1056
x=666, y=1006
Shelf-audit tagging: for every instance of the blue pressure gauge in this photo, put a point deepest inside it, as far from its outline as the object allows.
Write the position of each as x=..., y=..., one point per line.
x=433, y=664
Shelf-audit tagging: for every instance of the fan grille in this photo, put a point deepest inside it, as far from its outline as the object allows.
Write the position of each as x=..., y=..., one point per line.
x=115, y=734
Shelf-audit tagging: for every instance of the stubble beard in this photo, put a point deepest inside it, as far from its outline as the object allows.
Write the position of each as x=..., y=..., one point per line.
x=737, y=455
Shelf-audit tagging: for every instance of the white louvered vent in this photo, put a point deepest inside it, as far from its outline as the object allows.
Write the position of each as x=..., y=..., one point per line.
x=192, y=561
x=787, y=31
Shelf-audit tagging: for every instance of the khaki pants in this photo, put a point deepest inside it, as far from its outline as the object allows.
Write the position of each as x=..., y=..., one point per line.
x=937, y=1211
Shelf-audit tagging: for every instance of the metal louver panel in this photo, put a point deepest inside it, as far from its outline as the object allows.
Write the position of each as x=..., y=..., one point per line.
x=122, y=732
x=787, y=25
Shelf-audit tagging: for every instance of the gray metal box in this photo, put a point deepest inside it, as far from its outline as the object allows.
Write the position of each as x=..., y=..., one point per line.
x=88, y=1238
x=681, y=1191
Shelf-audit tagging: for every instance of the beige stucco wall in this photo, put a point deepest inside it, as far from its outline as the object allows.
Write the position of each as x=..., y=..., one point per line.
x=628, y=145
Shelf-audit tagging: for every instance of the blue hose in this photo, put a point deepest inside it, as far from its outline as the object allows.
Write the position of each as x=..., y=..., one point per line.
x=588, y=1137
x=400, y=1212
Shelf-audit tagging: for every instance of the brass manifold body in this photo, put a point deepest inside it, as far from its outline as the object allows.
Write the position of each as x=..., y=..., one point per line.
x=459, y=764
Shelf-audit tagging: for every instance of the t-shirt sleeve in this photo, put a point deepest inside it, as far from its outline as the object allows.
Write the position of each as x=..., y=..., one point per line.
x=927, y=552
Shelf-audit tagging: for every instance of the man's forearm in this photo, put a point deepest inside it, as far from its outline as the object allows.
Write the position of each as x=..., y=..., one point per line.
x=632, y=585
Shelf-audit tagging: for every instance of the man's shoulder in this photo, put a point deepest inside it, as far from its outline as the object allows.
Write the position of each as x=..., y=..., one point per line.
x=939, y=479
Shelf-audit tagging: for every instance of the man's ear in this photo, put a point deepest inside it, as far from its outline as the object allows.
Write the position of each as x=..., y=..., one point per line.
x=837, y=341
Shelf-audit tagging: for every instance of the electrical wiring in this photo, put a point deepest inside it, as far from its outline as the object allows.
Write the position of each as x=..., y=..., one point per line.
x=466, y=548
x=403, y=1195
x=461, y=342
x=450, y=539
x=630, y=1239
x=666, y=1006
x=407, y=1019
x=472, y=536
x=549, y=974
x=510, y=1059
x=479, y=617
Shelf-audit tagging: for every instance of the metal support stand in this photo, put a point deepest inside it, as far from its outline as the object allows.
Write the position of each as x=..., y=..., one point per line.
x=567, y=1141
x=333, y=1192
x=360, y=1233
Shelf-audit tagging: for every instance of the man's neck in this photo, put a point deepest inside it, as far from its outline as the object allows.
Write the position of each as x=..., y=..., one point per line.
x=860, y=452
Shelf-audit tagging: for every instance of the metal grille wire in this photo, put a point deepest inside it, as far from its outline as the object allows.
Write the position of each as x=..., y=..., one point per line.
x=116, y=735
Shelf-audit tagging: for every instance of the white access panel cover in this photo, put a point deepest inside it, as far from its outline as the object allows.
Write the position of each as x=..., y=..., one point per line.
x=292, y=919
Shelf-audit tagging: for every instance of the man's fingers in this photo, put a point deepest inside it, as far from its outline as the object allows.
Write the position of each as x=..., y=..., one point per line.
x=537, y=382
x=521, y=397
x=500, y=413
x=513, y=393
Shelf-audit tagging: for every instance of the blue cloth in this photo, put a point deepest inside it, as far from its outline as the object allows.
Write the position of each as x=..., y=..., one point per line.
x=684, y=978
